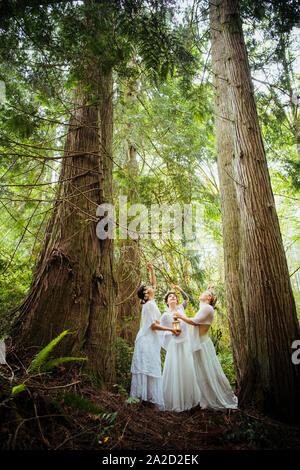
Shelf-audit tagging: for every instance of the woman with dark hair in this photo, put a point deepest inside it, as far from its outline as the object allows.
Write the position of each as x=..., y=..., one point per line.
x=215, y=388
x=180, y=388
x=146, y=381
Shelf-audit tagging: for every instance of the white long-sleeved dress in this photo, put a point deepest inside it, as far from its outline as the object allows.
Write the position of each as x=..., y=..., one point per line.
x=146, y=382
x=180, y=388
x=215, y=388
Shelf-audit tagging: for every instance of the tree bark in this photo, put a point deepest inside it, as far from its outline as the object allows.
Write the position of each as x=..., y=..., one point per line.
x=261, y=304
x=73, y=286
x=229, y=203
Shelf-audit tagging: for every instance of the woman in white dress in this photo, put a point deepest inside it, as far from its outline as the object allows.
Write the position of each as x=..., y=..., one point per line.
x=216, y=392
x=180, y=388
x=146, y=382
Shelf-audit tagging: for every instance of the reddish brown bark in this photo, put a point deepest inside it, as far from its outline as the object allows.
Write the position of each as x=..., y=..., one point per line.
x=230, y=210
x=73, y=286
x=262, y=308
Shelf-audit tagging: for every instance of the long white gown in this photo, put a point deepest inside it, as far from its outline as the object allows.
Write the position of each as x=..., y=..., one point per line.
x=146, y=382
x=216, y=392
x=180, y=388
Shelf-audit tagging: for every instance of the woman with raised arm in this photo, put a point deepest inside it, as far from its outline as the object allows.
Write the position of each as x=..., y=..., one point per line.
x=146, y=381
x=215, y=388
x=180, y=388
x=184, y=296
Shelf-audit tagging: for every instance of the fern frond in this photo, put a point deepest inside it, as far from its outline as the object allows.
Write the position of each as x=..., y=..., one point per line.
x=59, y=409
x=132, y=400
x=75, y=401
x=17, y=389
x=54, y=362
x=41, y=357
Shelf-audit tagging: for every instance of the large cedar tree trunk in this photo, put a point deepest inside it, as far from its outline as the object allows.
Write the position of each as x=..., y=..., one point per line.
x=230, y=211
x=73, y=286
x=261, y=307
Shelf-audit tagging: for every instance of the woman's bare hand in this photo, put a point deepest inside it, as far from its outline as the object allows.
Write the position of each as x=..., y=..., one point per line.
x=175, y=332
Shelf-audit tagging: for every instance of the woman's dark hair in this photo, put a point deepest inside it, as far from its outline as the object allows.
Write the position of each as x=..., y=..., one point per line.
x=142, y=292
x=167, y=295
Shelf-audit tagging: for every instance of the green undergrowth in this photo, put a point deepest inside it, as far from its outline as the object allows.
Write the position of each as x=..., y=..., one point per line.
x=39, y=393
x=123, y=357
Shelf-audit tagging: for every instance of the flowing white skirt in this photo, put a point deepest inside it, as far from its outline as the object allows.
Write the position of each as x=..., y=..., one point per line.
x=215, y=388
x=180, y=388
x=146, y=382
x=148, y=388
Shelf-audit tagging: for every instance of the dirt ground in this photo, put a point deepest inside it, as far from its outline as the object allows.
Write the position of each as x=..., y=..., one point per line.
x=63, y=412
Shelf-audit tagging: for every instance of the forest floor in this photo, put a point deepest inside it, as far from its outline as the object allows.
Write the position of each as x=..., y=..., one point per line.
x=61, y=411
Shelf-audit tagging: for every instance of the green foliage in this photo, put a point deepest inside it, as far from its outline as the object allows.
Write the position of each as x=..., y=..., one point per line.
x=41, y=357
x=39, y=365
x=259, y=435
x=79, y=403
x=96, y=378
x=278, y=16
x=216, y=335
x=226, y=361
x=54, y=362
x=123, y=356
x=133, y=400
x=59, y=408
x=17, y=389
x=163, y=353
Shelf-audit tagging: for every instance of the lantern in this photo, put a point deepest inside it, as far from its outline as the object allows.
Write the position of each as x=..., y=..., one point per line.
x=176, y=324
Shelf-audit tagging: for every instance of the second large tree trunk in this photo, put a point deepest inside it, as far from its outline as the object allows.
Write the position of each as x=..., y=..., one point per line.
x=261, y=308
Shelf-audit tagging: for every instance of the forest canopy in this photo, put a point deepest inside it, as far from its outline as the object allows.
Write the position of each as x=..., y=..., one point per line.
x=170, y=124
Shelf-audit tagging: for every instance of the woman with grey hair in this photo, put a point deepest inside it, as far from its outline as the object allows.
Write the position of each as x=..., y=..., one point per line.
x=216, y=392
